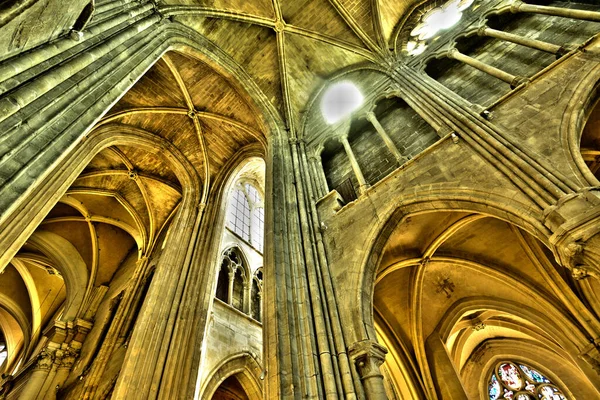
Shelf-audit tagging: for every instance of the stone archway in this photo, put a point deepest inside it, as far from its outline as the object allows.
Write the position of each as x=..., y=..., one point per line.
x=427, y=261
x=244, y=369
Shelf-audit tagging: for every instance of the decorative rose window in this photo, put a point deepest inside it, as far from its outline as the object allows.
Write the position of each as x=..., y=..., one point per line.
x=433, y=21
x=515, y=381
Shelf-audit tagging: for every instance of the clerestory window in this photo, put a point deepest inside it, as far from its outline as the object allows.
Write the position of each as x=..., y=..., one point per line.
x=246, y=214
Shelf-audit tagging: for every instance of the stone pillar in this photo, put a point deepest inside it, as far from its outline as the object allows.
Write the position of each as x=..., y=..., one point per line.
x=260, y=304
x=523, y=41
x=519, y=6
x=362, y=183
x=368, y=356
x=34, y=385
x=230, y=287
x=67, y=361
x=444, y=374
x=319, y=174
x=247, y=298
x=372, y=118
x=513, y=80
x=144, y=365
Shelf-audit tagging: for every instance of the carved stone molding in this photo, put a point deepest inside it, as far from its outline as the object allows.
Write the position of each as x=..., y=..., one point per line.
x=368, y=356
x=45, y=359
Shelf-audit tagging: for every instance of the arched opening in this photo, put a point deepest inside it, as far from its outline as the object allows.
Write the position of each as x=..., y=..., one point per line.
x=590, y=141
x=256, y=300
x=522, y=382
x=235, y=332
x=456, y=291
x=492, y=58
x=223, y=282
x=230, y=389
x=237, y=296
x=361, y=151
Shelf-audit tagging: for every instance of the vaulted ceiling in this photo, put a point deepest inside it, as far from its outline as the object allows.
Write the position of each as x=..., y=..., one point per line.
x=121, y=202
x=290, y=48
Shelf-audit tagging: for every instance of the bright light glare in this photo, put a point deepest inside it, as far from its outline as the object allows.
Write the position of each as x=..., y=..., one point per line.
x=340, y=100
x=440, y=18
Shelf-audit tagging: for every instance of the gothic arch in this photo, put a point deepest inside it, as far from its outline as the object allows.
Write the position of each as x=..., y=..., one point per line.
x=566, y=335
x=465, y=305
x=245, y=367
x=69, y=263
x=244, y=264
x=17, y=347
x=476, y=372
x=583, y=101
x=493, y=205
x=18, y=225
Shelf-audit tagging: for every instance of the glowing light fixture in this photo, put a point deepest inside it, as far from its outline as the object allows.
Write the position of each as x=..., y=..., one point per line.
x=340, y=100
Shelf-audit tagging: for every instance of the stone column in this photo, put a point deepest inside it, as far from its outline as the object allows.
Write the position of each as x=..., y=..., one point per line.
x=523, y=41
x=260, y=305
x=146, y=357
x=444, y=374
x=372, y=118
x=230, y=287
x=513, y=80
x=556, y=11
x=247, y=298
x=368, y=356
x=66, y=363
x=44, y=363
x=65, y=358
x=319, y=174
x=362, y=183
x=48, y=390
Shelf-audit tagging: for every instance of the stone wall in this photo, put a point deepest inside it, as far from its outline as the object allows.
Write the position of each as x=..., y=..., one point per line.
x=230, y=332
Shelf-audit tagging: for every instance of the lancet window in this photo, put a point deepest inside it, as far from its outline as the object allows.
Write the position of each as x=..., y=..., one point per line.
x=246, y=214
x=256, y=296
x=231, y=279
x=516, y=381
x=235, y=286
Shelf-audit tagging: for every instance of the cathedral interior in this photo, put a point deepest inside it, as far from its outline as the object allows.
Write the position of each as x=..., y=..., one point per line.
x=300, y=199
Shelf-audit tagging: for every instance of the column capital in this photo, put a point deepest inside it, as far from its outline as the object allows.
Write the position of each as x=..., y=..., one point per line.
x=370, y=115
x=45, y=359
x=516, y=6
x=66, y=357
x=452, y=52
x=368, y=355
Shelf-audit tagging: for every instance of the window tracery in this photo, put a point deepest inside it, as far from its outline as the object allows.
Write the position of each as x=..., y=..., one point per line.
x=236, y=287
x=434, y=21
x=246, y=214
x=256, y=296
x=516, y=381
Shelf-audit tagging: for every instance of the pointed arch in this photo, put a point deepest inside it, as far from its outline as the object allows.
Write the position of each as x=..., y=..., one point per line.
x=71, y=266
x=242, y=365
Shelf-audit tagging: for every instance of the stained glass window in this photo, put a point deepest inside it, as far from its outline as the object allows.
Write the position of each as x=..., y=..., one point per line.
x=246, y=215
x=433, y=21
x=515, y=381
